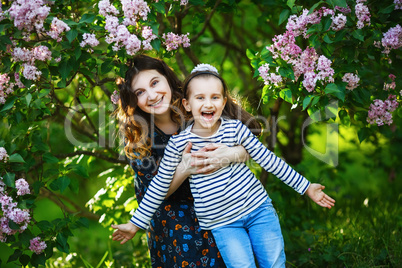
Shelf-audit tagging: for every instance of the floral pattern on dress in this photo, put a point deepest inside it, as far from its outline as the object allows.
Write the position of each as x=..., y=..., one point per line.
x=174, y=236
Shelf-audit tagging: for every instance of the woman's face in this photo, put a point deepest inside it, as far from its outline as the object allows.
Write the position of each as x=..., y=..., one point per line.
x=153, y=92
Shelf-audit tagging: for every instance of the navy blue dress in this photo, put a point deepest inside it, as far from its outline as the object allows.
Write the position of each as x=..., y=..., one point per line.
x=174, y=236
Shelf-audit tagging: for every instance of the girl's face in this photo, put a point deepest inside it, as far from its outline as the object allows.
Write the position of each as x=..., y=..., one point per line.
x=153, y=92
x=206, y=102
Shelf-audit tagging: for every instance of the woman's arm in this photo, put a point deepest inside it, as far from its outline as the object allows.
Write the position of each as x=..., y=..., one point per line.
x=208, y=159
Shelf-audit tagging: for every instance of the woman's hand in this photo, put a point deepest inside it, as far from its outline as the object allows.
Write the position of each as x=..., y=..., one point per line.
x=316, y=194
x=124, y=232
x=215, y=156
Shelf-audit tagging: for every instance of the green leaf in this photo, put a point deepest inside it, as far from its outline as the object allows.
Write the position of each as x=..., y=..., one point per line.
x=250, y=54
x=65, y=69
x=314, y=113
x=77, y=52
x=334, y=90
x=358, y=34
x=327, y=39
x=315, y=6
x=283, y=16
x=286, y=72
x=102, y=260
x=44, y=92
x=44, y=225
x=9, y=179
x=13, y=225
x=341, y=3
x=71, y=35
x=264, y=94
x=107, y=66
x=16, y=158
x=159, y=7
x=83, y=222
x=64, y=183
x=291, y=3
x=17, y=253
x=363, y=133
x=37, y=260
x=286, y=94
x=28, y=98
x=387, y=10
x=344, y=117
x=49, y=158
x=307, y=101
x=79, y=170
x=9, y=103
x=156, y=44
x=24, y=259
x=88, y=18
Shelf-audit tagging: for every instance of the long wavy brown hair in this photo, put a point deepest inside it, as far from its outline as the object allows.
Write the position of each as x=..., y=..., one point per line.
x=232, y=110
x=134, y=124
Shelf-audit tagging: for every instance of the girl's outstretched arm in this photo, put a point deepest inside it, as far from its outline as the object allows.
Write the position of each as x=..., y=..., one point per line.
x=124, y=232
x=314, y=191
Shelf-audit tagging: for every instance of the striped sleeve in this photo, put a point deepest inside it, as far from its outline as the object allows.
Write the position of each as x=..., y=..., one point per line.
x=158, y=187
x=269, y=161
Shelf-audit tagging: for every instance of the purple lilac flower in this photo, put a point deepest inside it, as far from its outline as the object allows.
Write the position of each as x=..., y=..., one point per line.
x=37, y=245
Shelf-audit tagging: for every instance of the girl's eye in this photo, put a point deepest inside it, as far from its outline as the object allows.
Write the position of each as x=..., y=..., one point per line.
x=215, y=98
x=200, y=98
x=154, y=82
x=139, y=92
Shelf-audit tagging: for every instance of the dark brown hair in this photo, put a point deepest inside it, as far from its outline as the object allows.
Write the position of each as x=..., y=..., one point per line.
x=134, y=123
x=232, y=110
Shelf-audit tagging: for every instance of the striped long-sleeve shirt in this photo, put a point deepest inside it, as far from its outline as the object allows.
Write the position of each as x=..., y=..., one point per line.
x=227, y=194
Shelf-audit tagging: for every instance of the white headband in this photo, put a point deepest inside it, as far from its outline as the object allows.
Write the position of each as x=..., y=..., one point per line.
x=204, y=67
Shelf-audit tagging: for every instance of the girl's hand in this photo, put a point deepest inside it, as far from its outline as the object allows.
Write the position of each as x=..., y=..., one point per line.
x=315, y=192
x=124, y=232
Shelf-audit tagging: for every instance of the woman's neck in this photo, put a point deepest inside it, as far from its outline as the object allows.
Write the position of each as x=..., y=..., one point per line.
x=166, y=124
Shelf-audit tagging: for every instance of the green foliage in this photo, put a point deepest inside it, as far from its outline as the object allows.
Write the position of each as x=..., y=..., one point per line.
x=60, y=136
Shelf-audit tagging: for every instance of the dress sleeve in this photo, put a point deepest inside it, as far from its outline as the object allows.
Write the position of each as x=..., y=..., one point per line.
x=158, y=187
x=269, y=161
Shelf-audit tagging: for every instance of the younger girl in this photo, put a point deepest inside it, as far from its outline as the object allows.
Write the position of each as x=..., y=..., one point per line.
x=230, y=201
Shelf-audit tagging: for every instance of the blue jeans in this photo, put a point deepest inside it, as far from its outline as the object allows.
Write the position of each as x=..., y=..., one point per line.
x=258, y=232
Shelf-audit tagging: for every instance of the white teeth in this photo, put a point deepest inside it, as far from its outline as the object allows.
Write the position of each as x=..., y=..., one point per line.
x=156, y=103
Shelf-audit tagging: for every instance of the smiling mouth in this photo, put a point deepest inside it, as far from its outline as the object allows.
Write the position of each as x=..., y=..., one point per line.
x=208, y=115
x=156, y=103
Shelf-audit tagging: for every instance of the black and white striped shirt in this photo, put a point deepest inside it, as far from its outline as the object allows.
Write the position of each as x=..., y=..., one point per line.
x=227, y=194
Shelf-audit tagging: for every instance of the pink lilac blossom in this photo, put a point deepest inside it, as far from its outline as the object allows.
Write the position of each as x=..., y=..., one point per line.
x=352, y=80
x=269, y=78
x=105, y=8
x=7, y=203
x=89, y=39
x=284, y=46
x=362, y=13
x=133, y=9
x=380, y=111
x=310, y=80
x=37, y=246
x=42, y=53
x=22, y=187
x=2, y=16
x=111, y=25
x=115, y=97
x=3, y=154
x=392, y=39
x=326, y=72
x=22, y=54
x=5, y=228
x=306, y=62
x=2, y=184
x=30, y=72
x=18, y=216
x=338, y=22
x=172, y=40
x=398, y=4
x=392, y=85
x=5, y=87
x=56, y=28
x=29, y=14
x=18, y=81
x=345, y=10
